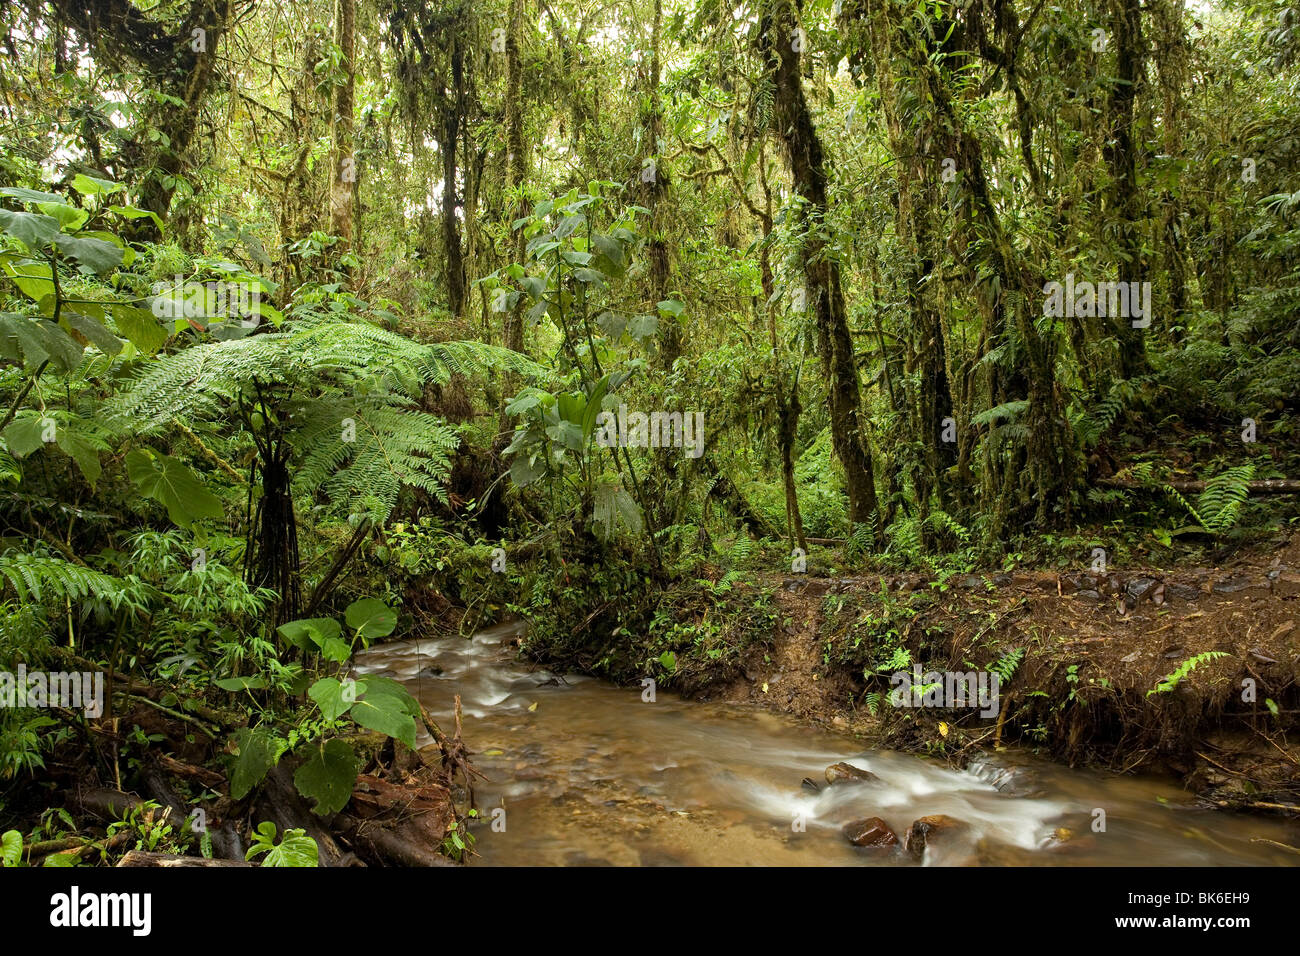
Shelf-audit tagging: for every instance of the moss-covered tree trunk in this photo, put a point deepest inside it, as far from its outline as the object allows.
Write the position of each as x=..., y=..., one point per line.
x=783, y=40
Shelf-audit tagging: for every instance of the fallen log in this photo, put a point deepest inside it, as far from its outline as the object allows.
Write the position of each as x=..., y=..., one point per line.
x=1260, y=486
x=141, y=858
x=107, y=804
x=384, y=847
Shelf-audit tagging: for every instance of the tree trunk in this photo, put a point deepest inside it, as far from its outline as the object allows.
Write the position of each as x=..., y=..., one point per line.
x=344, y=179
x=450, y=138
x=783, y=40
x=1121, y=158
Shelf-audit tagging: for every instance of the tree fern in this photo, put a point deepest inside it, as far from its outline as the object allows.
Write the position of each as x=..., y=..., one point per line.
x=40, y=579
x=389, y=447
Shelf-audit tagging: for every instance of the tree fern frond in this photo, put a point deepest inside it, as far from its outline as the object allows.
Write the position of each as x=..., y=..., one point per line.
x=39, y=578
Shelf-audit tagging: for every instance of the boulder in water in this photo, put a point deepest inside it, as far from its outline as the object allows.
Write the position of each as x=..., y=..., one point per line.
x=931, y=830
x=872, y=832
x=847, y=773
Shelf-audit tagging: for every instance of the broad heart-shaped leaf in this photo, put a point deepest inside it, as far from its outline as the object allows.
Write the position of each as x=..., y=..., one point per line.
x=140, y=326
x=26, y=434
x=525, y=469
x=81, y=450
x=172, y=484
x=31, y=195
x=335, y=650
x=93, y=331
x=95, y=254
x=523, y=403
x=296, y=849
x=386, y=715
x=328, y=776
x=33, y=341
x=335, y=697
x=566, y=433
x=90, y=186
x=612, y=324
x=11, y=847
x=33, y=279
x=371, y=618
x=642, y=326
x=387, y=708
x=69, y=217
x=310, y=633
x=610, y=248
x=258, y=753
x=32, y=229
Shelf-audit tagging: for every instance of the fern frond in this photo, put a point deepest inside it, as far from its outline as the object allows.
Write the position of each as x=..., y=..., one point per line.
x=38, y=579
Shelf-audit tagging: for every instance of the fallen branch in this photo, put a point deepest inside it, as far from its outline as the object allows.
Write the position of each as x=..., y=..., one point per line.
x=1260, y=486
x=385, y=847
x=139, y=858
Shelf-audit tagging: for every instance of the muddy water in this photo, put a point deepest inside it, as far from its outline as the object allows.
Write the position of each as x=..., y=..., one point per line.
x=589, y=774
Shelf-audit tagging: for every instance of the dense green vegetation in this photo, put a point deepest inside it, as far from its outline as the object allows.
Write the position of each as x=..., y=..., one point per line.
x=326, y=322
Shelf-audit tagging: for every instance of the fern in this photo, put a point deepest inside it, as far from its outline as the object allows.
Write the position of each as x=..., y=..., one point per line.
x=1005, y=667
x=1219, y=505
x=39, y=579
x=391, y=447
x=347, y=387
x=353, y=356
x=1001, y=414
x=941, y=522
x=1183, y=669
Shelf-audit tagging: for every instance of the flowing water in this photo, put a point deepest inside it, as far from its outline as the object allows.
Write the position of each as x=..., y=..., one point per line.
x=589, y=773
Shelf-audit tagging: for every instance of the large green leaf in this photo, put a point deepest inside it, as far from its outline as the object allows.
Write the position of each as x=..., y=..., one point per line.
x=173, y=485
x=34, y=279
x=371, y=618
x=32, y=229
x=387, y=708
x=80, y=449
x=11, y=847
x=95, y=254
x=94, y=332
x=31, y=195
x=140, y=326
x=26, y=434
x=90, y=186
x=311, y=632
x=258, y=753
x=334, y=697
x=328, y=776
x=33, y=341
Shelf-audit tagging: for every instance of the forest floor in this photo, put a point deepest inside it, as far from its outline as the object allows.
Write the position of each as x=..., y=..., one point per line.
x=1096, y=647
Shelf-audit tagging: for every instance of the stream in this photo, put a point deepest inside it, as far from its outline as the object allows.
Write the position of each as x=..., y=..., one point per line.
x=590, y=774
